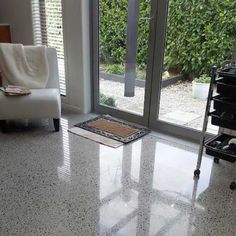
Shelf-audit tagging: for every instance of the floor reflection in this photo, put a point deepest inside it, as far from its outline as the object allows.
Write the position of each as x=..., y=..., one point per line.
x=151, y=192
x=64, y=172
x=62, y=184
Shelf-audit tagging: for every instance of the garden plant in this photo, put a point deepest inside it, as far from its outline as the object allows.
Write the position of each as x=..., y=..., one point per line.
x=200, y=33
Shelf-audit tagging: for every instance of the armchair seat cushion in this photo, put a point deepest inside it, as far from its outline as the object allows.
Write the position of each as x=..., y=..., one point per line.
x=41, y=103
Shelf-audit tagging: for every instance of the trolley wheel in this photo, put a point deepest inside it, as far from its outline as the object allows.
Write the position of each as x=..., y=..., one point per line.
x=197, y=173
x=216, y=160
x=233, y=186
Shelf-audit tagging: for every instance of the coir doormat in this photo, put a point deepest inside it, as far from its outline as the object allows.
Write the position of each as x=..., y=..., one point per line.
x=109, y=130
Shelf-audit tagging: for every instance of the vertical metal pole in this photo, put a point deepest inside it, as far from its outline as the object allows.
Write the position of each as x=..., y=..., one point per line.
x=131, y=47
x=205, y=123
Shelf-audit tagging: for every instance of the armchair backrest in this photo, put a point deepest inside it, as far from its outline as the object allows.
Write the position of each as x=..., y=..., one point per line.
x=53, y=80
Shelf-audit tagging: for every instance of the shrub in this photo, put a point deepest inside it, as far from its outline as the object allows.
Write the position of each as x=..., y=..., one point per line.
x=106, y=100
x=203, y=79
x=200, y=33
x=116, y=69
x=113, y=31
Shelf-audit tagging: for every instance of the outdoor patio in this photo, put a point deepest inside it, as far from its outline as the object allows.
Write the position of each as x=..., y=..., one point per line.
x=177, y=103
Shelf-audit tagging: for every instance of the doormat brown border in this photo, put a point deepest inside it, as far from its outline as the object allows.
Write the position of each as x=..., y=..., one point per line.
x=142, y=131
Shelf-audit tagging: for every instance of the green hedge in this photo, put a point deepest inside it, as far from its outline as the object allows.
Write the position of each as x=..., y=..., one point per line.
x=113, y=30
x=200, y=33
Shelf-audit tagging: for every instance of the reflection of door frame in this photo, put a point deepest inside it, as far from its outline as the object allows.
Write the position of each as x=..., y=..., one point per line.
x=147, y=193
x=98, y=108
x=159, y=51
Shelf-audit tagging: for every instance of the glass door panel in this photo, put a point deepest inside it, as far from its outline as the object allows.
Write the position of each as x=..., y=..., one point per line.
x=123, y=42
x=199, y=35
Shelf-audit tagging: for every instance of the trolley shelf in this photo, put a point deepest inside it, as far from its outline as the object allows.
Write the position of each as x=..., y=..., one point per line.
x=218, y=120
x=218, y=152
x=224, y=104
x=226, y=87
x=228, y=73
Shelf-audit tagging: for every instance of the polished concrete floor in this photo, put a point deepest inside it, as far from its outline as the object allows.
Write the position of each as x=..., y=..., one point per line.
x=62, y=185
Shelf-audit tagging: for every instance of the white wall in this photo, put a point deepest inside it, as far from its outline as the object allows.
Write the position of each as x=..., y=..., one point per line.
x=76, y=30
x=18, y=15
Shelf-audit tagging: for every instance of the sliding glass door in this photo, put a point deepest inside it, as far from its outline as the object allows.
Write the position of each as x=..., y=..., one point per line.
x=149, y=57
x=192, y=36
x=122, y=32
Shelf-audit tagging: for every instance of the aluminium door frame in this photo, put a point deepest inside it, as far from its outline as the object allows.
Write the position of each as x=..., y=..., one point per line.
x=157, y=39
x=98, y=108
x=159, y=53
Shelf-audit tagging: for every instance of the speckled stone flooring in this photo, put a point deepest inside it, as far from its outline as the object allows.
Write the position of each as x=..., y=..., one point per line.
x=60, y=184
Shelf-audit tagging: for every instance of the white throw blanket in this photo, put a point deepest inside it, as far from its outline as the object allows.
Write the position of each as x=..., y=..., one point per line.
x=25, y=66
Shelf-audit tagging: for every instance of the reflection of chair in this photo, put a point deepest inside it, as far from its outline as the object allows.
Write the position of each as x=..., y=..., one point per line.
x=41, y=103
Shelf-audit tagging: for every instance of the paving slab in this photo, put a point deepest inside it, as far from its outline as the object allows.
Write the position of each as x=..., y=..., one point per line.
x=180, y=117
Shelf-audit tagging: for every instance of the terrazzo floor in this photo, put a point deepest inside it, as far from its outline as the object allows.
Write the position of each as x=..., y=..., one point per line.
x=60, y=184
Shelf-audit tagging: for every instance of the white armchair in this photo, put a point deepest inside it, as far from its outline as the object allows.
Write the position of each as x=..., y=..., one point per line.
x=41, y=103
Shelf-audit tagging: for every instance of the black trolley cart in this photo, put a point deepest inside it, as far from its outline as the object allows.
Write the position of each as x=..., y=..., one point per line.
x=224, y=116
